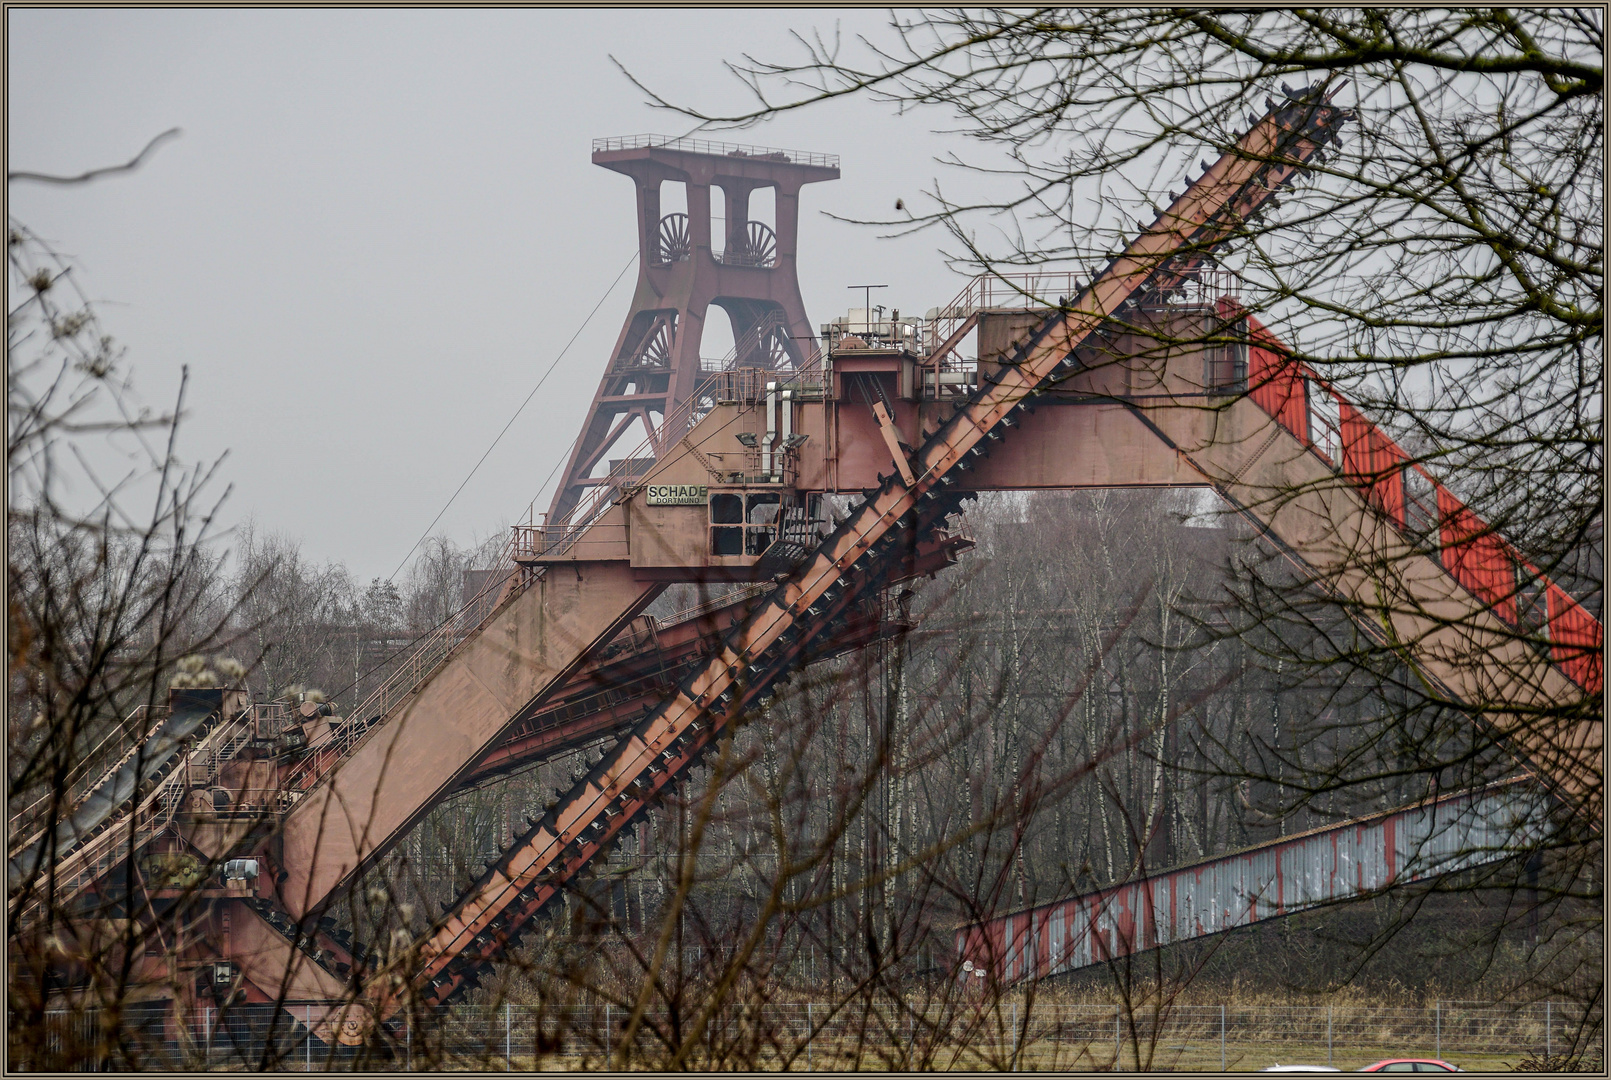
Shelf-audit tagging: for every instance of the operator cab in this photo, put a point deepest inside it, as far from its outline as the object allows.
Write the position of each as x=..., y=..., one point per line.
x=774, y=524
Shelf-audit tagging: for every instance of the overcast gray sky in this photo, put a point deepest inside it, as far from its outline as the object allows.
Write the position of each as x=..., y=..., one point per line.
x=380, y=227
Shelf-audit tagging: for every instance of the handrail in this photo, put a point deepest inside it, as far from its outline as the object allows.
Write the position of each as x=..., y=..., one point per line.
x=120, y=731
x=717, y=603
x=628, y=475
x=724, y=149
x=673, y=426
x=1033, y=289
x=153, y=813
x=987, y=291
x=26, y=819
x=750, y=384
x=106, y=848
x=938, y=352
x=543, y=861
x=433, y=651
x=532, y=541
x=750, y=340
x=427, y=658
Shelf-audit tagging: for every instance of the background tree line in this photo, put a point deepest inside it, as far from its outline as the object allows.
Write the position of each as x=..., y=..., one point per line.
x=1114, y=681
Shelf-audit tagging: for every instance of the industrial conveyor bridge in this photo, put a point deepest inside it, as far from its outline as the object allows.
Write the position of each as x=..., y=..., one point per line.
x=731, y=486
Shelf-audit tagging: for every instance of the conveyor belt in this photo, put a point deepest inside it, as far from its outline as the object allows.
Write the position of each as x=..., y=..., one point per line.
x=850, y=562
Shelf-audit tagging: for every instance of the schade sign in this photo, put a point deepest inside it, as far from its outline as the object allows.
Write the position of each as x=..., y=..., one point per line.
x=677, y=494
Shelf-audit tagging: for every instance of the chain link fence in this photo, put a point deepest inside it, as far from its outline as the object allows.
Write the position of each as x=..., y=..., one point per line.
x=1006, y=1035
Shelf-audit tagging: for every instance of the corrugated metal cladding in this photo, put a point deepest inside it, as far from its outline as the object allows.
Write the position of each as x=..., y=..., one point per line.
x=1476, y=556
x=1286, y=876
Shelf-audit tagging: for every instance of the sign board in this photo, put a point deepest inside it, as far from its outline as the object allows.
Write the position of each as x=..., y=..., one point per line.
x=677, y=494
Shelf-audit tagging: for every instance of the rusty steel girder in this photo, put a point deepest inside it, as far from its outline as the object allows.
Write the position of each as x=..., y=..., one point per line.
x=610, y=696
x=759, y=651
x=530, y=646
x=1081, y=395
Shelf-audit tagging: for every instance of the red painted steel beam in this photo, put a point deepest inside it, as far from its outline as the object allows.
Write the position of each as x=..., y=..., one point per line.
x=1466, y=547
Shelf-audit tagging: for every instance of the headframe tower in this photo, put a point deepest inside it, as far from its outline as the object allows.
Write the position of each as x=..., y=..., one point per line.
x=683, y=269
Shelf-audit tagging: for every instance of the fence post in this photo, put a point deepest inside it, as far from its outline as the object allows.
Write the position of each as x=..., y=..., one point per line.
x=607, y=1037
x=1437, y=1026
x=307, y=1040
x=507, y=1031
x=1116, y=1048
x=408, y=1041
x=1222, y=1038
x=1328, y=1034
x=1015, y=1036
x=1549, y=1045
x=207, y=1034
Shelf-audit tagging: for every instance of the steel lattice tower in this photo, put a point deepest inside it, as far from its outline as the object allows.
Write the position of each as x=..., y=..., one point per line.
x=682, y=272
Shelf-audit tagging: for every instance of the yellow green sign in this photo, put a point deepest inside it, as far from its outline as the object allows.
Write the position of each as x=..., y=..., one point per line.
x=677, y=494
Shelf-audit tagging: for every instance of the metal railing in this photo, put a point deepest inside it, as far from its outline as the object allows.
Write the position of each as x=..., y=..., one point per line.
x=744, y=257
x=722, y=149
x=758, y=247
x=751, y=340
x=1006, y=291
x=536, y=541
x=717, y=603
x=529, y=539
x=724, y=383
x=748, y=385
x=151, y=815
x=425, y=660
x=134, y=730
x=1205, y=288
x=989, y=292
x=1044, y=288
x=673, y=426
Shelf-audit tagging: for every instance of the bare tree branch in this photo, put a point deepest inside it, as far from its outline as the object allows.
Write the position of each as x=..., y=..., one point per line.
x=95, y=174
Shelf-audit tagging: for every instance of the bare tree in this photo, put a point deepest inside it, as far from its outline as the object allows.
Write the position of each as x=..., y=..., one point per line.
x=114, y=592
x=1042, y=726
x=1437, y=279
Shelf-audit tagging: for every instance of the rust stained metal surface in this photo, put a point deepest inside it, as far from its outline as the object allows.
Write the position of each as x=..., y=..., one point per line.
x=686, y=275
x=553, y=657
x=613, y=695
x=417, y=757
x=805, y=602
x=1344, y=862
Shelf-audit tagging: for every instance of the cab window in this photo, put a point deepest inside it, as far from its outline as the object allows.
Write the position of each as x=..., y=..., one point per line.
x=744, y=523
x=726, y=523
